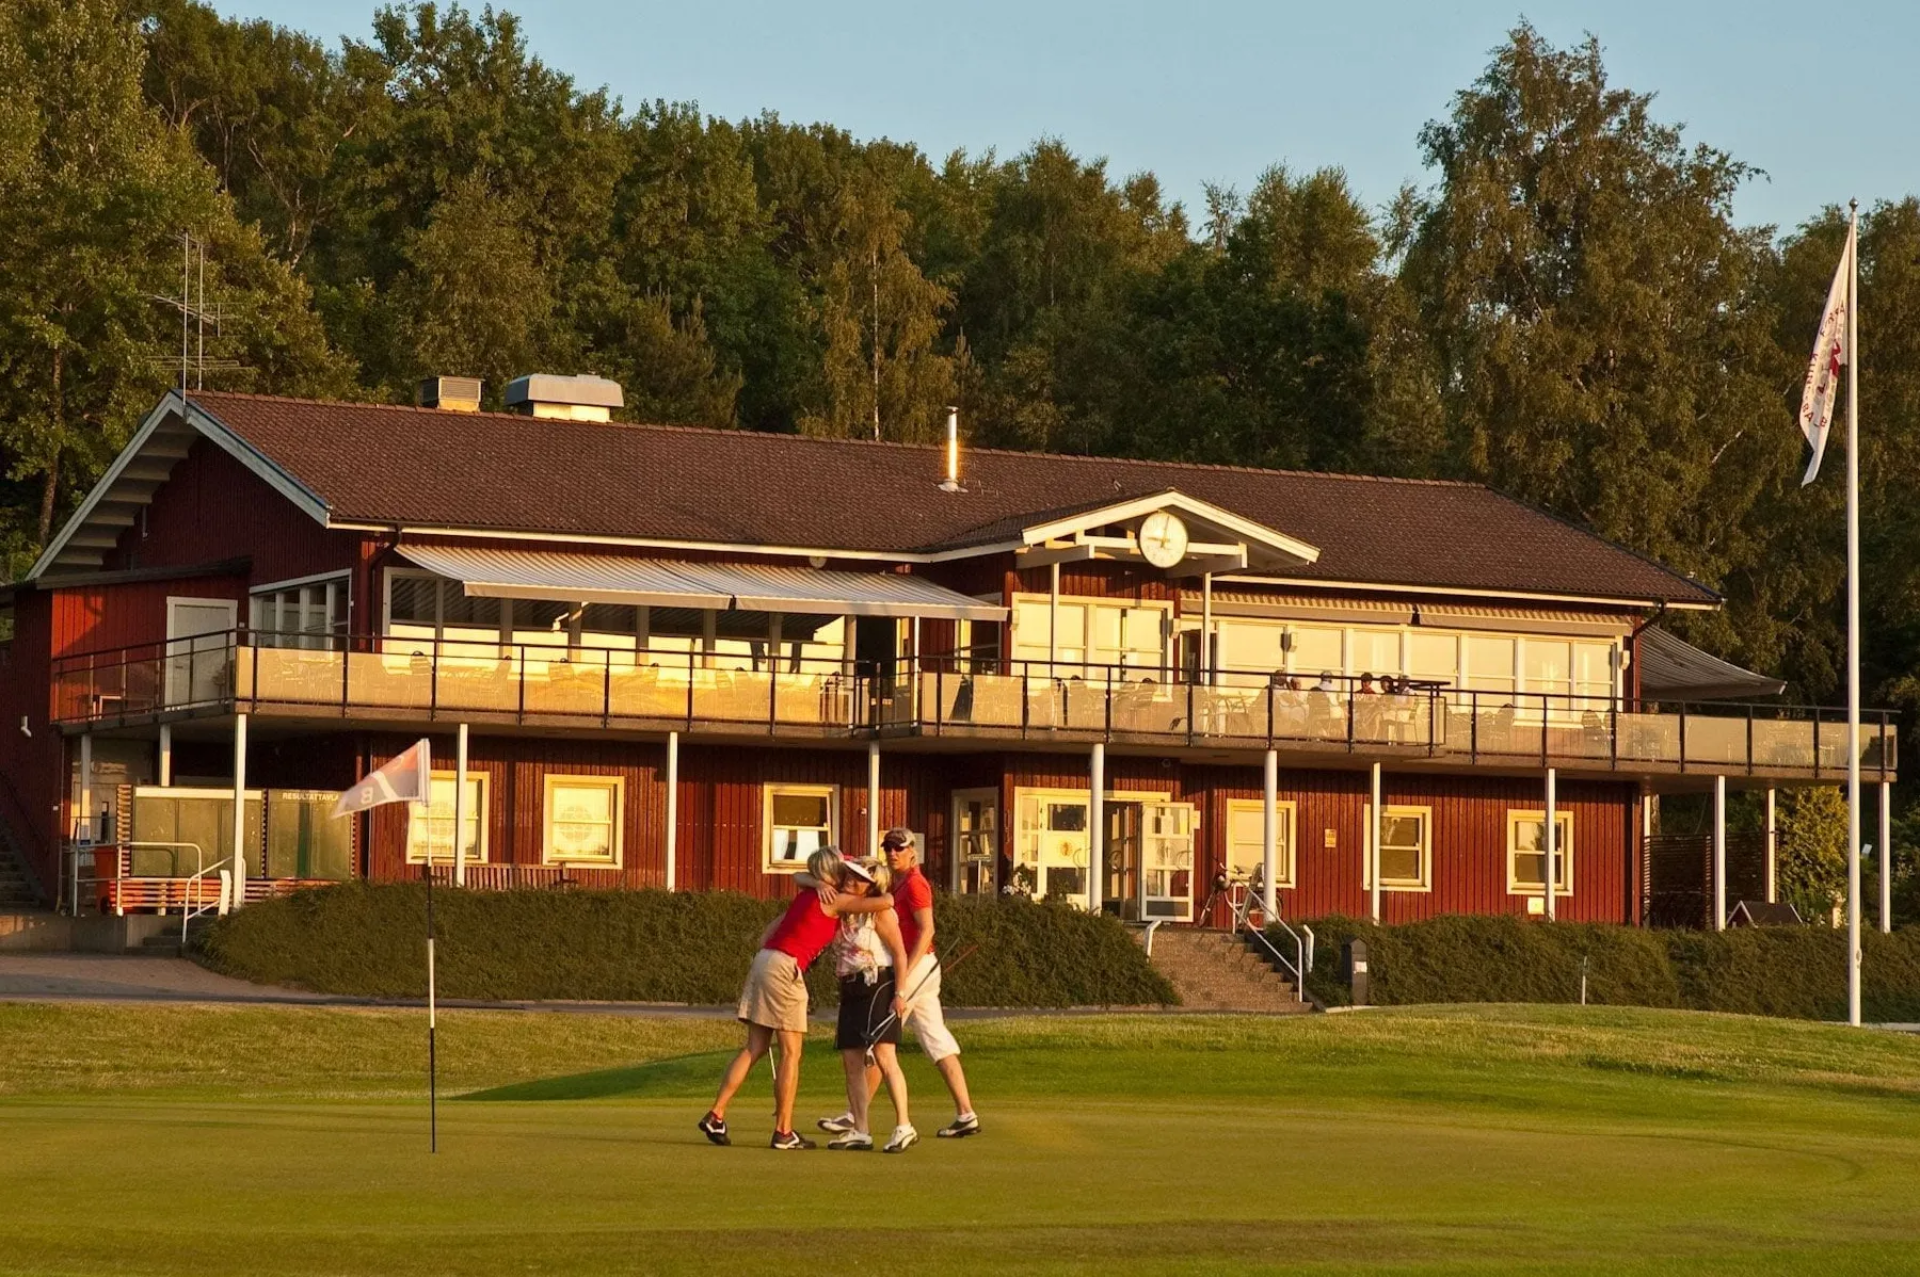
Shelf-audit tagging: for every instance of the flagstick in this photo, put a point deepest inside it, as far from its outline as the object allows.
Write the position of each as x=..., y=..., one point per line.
x=433, y=1100
x=1853, y=618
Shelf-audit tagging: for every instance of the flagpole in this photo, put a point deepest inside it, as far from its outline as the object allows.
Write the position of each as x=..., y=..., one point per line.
x=433, y=1099
x=1853, y=616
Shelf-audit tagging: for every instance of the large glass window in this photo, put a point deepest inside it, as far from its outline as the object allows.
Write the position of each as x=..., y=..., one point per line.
x=1406, y=847
x=1318, y=650
x=1527, y=853
x=1132, y=636
x=1375, y=652
x=1549, y=664
x=583, y=815
x=1246, y=841
x=799, y=821
x=1051, y=845
x=433, y=834
x=1434, y=657
x=1593, y=673
x=311, y=614
x=1489, y=663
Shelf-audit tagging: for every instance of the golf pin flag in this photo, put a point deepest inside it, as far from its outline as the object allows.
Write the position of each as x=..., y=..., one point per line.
x=407, y=779
x=1830, y=354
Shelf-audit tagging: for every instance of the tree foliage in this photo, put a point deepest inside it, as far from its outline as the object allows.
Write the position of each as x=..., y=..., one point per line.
x=1568, y=310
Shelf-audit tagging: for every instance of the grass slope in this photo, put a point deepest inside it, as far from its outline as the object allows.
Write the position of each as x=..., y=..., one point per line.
x=285, y=1140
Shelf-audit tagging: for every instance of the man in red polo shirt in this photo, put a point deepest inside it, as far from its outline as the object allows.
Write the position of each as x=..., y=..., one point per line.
x=920, y=986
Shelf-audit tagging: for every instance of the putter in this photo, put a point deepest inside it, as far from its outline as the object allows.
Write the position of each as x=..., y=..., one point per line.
x=939, y=964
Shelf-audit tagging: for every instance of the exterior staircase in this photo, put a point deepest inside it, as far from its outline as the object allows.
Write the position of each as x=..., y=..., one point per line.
x=17, y=891
x=1217, y=971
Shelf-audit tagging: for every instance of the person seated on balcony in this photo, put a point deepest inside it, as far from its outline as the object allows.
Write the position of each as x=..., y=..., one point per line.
x=1326, y=683
x=773, y=1005
x=1366, y=687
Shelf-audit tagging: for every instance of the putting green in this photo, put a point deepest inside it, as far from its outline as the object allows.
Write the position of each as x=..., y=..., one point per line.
x=187, y=1140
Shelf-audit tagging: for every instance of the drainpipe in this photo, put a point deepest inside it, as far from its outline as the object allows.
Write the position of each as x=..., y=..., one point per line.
x=239, y=810
x=1552, y=837
x=1373, y=847
x=673, y=809
x=1719, y=853
x=459, y=808
x=1096, y=825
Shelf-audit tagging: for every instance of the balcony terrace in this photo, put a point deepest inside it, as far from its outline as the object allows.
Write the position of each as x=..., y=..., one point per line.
x=403, y=682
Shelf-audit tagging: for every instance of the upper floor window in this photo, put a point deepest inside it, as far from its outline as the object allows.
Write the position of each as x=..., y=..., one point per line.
x=311, y=613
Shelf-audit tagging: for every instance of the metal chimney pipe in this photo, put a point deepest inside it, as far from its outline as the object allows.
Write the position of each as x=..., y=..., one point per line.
x=952, y=481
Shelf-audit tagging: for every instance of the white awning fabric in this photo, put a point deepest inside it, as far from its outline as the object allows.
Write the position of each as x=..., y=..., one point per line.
x=1673, y=669
x=751, y=587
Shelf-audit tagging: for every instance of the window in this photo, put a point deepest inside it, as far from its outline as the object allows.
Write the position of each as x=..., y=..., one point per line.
x=1406, y=848
x=583, y=820
x=421, y=605
x=1489, y=663
x=304, y=614
x=1246, y=841
x=1549, y=666
x=1376, y=652
x=799, y=821
x=1126, y=634
x=1434, y=656
x=1527, y=853
x=1593, y=673
x=1317, y=650
x=1051, y=844
x=436, y=830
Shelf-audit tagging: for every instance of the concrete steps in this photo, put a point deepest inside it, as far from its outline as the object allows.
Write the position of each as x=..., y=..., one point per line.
x=16, y=888
x=1217, y=971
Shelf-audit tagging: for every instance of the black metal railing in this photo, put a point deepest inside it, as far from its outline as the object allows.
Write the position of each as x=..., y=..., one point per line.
x=761, y=689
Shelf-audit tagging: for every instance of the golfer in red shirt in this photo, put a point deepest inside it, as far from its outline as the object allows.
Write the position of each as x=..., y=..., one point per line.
x=773, y=1005
x=920, y=986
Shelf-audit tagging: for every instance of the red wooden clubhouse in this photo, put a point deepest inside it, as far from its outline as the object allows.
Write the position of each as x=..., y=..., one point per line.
x=667, y=657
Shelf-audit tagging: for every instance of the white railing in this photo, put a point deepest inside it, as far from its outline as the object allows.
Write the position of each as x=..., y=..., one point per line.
x=1302, y=945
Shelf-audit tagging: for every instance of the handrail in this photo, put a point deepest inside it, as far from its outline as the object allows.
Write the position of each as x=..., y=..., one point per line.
x=773, y=687
x=1302, y=959
x=190, y=906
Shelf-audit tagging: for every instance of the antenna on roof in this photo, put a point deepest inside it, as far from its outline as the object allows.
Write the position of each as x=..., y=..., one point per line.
x=194, y=315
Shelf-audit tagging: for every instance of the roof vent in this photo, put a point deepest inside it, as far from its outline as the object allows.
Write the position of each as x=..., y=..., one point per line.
x=583, y=398
x=450, y=394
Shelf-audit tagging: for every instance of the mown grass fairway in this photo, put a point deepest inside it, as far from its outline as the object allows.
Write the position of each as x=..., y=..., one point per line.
x=189, y=1140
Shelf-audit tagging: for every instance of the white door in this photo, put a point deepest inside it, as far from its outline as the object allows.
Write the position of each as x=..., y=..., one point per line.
x=199, y=649
x=975, y=849
x=1166, y=853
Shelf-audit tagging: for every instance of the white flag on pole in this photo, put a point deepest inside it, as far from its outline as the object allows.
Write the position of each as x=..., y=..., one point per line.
x=407, y=779
x=1830, y=354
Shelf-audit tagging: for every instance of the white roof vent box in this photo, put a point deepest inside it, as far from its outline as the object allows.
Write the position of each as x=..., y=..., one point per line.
x=580, y=398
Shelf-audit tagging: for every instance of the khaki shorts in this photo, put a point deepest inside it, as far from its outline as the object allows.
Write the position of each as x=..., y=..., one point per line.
x=927, y=1022
x=776, y=993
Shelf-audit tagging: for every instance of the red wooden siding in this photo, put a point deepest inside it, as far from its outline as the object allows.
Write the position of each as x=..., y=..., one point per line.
x=31, y=767
x=1469, y=842
x=212, y=507
x=97, y=618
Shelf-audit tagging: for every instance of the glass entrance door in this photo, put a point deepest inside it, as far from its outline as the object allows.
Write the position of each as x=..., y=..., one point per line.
x=976, y=842
x=1166, y=856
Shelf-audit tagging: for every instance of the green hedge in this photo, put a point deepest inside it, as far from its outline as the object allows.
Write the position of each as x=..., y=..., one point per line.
x=644, y=946
x=1798, y=972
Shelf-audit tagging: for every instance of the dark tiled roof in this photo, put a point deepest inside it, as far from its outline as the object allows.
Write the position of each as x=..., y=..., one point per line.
x=497, y=472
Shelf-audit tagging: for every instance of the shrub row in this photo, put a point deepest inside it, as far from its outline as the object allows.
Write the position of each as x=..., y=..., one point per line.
x=1798, y=972
x=644, y=946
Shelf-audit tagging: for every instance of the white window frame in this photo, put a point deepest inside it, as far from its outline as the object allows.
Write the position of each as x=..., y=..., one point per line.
x=1087, y=603
x=334, y=587
x=1286, y=852
x=1425, y=814
x=1563, y=853
x=557, y=780
x=772, y=789
x=479, y=813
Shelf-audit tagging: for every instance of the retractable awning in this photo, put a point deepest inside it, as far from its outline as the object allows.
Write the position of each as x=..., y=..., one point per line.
x=607, y=578
x=1674, y=669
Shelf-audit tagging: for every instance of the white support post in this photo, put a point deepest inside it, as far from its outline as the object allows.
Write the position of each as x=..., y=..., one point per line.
x=1096, y=825
x=165, y=768
x=1773, y=853
x=1886, y=857
x=1053, y=621
x=1719, y=853
x=1552, y=841
x=459, y=807
x=873, y=798
x=673, y=810
x=1206, y=628
x=239, y=810
x=1270, y=835
x=1373, y=848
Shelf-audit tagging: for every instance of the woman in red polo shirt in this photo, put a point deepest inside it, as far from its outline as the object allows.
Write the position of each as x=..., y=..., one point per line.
x=773, y=1005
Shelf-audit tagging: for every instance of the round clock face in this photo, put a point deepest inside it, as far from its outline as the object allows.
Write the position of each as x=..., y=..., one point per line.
x=1163, y=539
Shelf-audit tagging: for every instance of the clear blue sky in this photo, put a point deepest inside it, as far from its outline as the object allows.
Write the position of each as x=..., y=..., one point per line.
x=1827, y=101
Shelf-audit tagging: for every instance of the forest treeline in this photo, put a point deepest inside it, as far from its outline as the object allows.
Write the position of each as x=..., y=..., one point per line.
x=1564, y=307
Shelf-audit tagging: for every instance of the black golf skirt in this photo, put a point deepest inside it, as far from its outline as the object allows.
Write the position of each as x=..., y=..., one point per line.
x=862, y=1008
